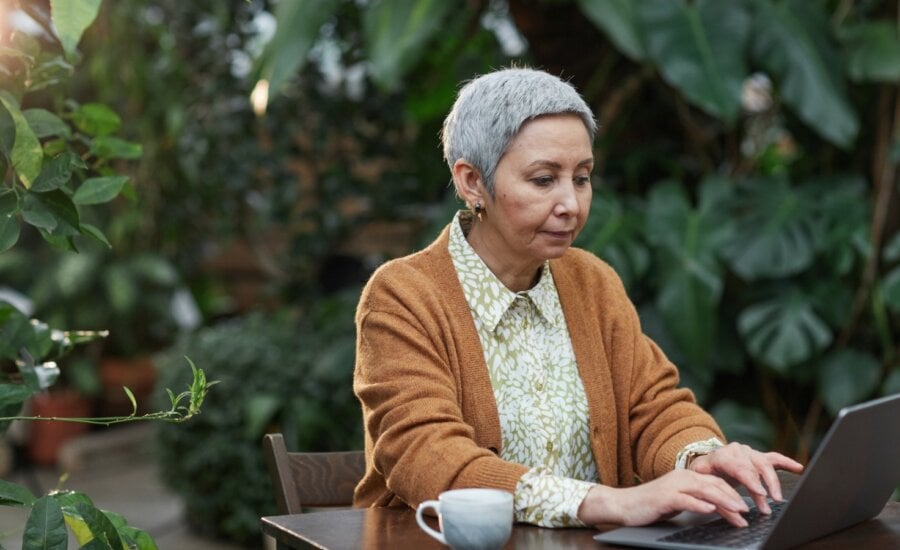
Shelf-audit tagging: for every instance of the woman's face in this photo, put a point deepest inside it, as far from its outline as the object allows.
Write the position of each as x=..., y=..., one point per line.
x=542, y=191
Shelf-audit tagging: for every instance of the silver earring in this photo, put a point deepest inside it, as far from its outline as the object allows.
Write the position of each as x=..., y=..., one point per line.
x=478, y=210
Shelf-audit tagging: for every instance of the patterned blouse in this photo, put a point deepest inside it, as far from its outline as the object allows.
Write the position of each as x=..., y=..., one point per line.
x=539, y=394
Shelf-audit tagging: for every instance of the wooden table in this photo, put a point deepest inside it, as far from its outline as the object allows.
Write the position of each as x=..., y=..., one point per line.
x=389, y=528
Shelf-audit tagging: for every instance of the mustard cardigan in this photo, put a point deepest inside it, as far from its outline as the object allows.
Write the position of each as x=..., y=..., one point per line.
x=431, y=422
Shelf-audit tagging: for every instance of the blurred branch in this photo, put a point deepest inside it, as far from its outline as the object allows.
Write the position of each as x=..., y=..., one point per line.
x=883, y=177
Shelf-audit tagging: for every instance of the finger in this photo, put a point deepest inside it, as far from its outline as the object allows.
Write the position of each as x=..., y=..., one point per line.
x=715, y=490
x=770, y=478
x=733, y=518
x=762, y=504
x=782, y=462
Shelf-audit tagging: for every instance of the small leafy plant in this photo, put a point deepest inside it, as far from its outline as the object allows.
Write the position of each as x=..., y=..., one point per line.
x=56, y=163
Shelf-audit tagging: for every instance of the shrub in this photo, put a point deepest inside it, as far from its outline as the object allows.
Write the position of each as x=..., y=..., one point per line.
x=276, y=374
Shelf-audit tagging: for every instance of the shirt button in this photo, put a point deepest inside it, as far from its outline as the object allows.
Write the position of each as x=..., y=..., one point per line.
x=549, y=446
x=539, y=386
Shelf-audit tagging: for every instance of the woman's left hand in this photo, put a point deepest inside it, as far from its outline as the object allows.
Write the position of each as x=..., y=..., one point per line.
x=741, y=465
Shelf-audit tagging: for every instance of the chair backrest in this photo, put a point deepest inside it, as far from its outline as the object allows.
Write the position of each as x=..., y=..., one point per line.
x=311, y=479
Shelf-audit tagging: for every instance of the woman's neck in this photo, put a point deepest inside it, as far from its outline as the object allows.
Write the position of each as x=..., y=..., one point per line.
x=516, y=274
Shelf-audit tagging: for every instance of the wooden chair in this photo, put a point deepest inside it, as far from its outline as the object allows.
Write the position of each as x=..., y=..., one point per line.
x=311, y=479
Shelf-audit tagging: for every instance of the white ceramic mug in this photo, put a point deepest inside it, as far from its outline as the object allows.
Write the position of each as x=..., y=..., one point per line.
x=471, y=519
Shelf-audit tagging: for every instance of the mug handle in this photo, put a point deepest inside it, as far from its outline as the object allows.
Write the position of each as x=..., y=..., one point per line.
x=436, y=506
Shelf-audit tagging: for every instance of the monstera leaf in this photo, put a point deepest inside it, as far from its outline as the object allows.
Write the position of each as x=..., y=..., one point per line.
x=297, y=29
x=699, y=48
x=783, y=331
x=842, y=207
x=618, y=20
x=612, y=232
x=791, y=41
x=778, y=230
x=748, y=425
x=873, y=51
x=396, y=33
x=890, y=285
x=846, y=377
x=689, y=241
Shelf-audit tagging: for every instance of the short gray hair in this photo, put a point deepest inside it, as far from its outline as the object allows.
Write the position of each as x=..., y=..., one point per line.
x=490, y=110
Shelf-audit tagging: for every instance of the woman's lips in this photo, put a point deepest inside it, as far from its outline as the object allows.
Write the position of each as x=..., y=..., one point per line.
x=559, y=234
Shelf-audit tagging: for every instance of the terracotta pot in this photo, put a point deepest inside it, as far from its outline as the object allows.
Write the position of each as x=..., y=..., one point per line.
x=138, y=374
x=46, y=437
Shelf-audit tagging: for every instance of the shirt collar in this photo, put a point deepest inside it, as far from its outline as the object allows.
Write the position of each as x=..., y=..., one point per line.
x=479, y=281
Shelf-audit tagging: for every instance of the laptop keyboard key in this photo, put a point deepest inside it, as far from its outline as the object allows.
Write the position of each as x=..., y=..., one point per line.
x=721, y=533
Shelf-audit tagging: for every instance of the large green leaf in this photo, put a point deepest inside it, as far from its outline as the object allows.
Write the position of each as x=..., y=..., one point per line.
x=783, y=331
x=111, y=147
x=9, y=231
x=296, y=32
x=891, y=252
x=892, y=383
x=890, y=289
x=59, y=206
x=396, y=34
x=132, y=537
x=71, y=18
x=689, y=240
x=26, y=153
x=747, y=425
x=12, y=494
x=45, y=528
x=847, y=377
x=618, y=20
x=842, y=206
x=613, y=232
x=11, y=394
x=102, y=529
x=9, y=202
x=778, y=230
x=99, y=190
x=699, y=49
x=56, y=172
x=790, y=40
x=7, y=135
x=873, y=51
x=96, y=119
x=46, y=124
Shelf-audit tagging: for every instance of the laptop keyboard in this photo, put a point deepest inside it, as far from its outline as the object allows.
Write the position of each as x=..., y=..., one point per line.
x=721, y=533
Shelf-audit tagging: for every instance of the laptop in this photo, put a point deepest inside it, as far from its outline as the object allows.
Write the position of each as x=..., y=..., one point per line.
x=849, y=479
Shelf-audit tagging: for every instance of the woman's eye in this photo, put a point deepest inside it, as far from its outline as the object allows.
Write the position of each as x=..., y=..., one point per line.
x=543, y=181
x=582, y=180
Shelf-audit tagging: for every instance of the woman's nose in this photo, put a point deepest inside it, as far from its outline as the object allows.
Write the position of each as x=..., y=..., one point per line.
x=567, y=200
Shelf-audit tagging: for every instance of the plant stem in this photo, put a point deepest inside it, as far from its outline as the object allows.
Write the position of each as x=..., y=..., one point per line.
x=883, y=178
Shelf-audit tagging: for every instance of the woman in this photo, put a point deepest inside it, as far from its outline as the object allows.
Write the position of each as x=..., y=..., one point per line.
x=501, y=357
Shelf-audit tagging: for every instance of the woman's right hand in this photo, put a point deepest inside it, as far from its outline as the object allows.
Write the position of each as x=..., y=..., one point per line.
x=664, y=497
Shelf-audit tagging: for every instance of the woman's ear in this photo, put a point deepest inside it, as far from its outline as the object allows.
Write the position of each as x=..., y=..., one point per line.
x=468, y=183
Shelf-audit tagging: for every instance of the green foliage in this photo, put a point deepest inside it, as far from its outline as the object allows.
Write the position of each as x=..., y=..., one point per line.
x=54, y=162
x=738, y=201
x=61, y=160
x=276, y=374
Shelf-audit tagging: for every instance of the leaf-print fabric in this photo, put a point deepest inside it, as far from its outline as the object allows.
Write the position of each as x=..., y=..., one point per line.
x=540, y=397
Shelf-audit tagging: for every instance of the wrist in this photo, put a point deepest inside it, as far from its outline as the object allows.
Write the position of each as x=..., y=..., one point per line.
x=600, y=505
x=690, y=453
